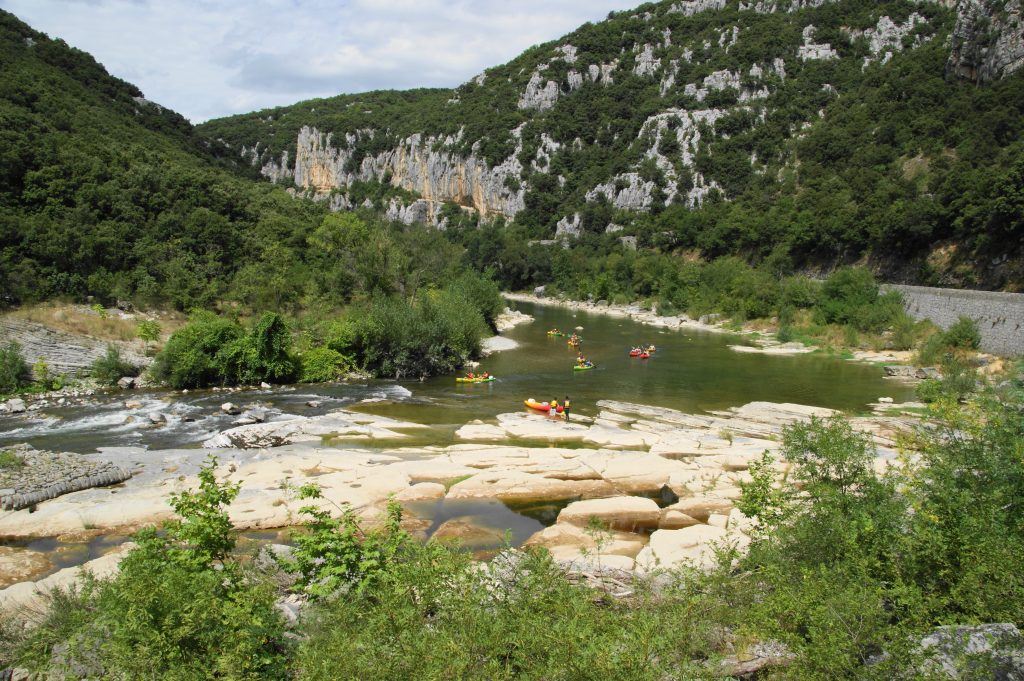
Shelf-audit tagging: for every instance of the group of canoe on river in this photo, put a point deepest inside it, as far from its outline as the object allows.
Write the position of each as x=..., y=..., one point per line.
x=582, y=364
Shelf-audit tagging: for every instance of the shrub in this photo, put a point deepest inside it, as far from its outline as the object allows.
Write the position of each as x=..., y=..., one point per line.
x=14, y=371
x=335, y=553
x=148, y=330
x=850, y=296
x=211, y=350
x=263, y=354
x=322, y=365
x=110, y=368
x=178, y=608
x=903, y=332
x=963, y=335
x=189, y=360
x=435, y=334
x=482, y=293
x=9, y=460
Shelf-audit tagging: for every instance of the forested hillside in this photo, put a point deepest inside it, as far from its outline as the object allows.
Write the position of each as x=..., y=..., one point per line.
x=104, y=193
x=823, y=132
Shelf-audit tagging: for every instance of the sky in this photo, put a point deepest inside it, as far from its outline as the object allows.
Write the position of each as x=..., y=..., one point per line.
x=212, y=58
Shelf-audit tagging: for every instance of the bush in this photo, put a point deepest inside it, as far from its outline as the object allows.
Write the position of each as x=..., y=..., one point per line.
x=14, y=370
x=263, y=354
x=436, y=334
x=211, y=350
x=110, y=368
x=482, y=293
x=179, y=607
x=148, y=330
x=850, y=296
x=189, y=360
x=963, y=335
x=323, y=365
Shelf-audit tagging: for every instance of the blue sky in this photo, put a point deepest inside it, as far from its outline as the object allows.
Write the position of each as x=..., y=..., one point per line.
x=210, y=58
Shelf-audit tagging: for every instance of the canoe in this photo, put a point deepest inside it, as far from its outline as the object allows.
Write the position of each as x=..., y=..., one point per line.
x=475, y=380
x=555, y=333
x=634, y=353
x=583, y=368
x=539, y=406
x=645, y=355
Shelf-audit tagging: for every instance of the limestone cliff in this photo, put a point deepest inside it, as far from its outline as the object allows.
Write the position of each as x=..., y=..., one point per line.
x=424, y=165
x=988, y=40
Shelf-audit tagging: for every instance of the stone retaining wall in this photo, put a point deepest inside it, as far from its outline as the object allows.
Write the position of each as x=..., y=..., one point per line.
x=1000, y=316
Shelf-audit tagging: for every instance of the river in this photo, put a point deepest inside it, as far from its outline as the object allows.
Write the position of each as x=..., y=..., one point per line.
x=693, y=371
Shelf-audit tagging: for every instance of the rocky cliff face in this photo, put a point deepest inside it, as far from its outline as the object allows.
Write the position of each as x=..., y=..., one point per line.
x=708, y=94
x=425, y=165
x=988, y=40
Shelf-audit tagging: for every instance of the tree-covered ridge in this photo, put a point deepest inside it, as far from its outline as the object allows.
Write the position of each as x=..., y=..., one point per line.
x=105, y=194
x=831, y=142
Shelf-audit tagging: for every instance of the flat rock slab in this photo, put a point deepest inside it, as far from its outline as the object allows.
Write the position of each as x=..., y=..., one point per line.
x=621, y=513
x=46, y=475
x=337, y=424
x=32, y=595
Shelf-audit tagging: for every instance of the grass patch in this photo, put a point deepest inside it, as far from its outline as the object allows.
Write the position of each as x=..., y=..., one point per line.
x=448, y=484
x=83, y=320
x=10, y=461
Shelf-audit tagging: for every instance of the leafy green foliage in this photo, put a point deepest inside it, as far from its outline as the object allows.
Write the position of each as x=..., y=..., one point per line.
x=435, y=334
x=963, y=335
x=177, y=609
x=334, y=553
x=14, y=371
x=263, y=354
x=109, y=368
x=9, y=460
x=148, y=330
x=323, y=364
x=189, y=359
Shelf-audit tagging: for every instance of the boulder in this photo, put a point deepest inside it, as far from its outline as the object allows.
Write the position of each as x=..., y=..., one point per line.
x=702, y=507
x=265, y=386
x=984, y=651
x=571, y=542
x=539, y=291
x=693, y=546
x=676, y=520
x=314, y=404
x=126, y=382
x=157, y=419
x=16, y=406
x=621, y=513
x=133, y=404
x=257, y=414
x=423, y=491
x=230, y=408
x=468, y=535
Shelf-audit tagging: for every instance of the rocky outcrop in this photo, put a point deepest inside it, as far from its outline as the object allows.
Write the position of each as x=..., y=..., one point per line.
x=886, y=37
x=425, y=165
x=787, y=6
x=984, y=651
x=988, y=40
x=63, y=352
x=812, y=50
x=540, y=94
x=690, y=7
x=46, y=475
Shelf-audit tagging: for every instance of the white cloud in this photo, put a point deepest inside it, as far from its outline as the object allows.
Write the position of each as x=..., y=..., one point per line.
x=209, y=58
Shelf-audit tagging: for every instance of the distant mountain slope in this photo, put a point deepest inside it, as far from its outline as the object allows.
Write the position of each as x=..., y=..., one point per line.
x=104, y=193
x=823, y=130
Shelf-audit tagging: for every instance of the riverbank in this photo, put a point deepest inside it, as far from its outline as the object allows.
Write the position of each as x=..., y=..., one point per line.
x=665, y=481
